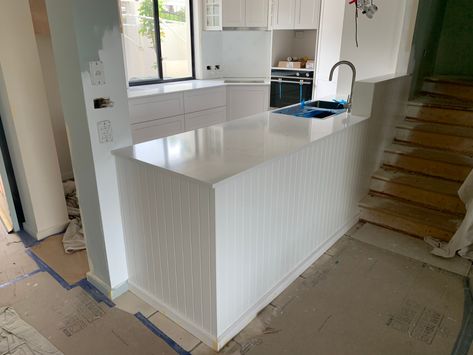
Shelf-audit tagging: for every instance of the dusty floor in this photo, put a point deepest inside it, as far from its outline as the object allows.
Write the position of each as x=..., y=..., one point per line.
x=374, y=292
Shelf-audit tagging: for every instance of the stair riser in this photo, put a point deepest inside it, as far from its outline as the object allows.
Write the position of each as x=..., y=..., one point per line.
x=435, y=140
x=439, y=115
x=400, y=224
x=434, y=200
x=450, y=89
x=427, y=167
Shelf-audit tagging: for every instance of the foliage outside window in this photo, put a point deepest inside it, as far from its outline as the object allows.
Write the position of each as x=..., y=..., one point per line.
x=157, y=40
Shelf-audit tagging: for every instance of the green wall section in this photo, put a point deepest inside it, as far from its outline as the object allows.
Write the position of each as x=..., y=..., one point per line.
x=455, y=49
x=430, y=16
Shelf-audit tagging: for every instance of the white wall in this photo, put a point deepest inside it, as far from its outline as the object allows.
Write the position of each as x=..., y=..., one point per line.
x=246, y=54
x=84, y=31
x=48, y=66
x=26, y=117
x=330, y=42
x=380, y=40
x=291, y=43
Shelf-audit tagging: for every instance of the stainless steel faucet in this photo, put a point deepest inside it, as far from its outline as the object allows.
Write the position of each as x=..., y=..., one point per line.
x=353, y=78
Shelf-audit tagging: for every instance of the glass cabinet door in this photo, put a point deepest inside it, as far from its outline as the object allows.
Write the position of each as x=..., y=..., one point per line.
x=212, y=15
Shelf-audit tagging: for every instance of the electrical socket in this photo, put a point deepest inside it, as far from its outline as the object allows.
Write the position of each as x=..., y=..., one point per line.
x=105, y=131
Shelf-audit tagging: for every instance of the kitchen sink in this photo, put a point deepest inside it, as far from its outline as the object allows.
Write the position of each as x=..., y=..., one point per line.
x=314, y=109
x=330, y=105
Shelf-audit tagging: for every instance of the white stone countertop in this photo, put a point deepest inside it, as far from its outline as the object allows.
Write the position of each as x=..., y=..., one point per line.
x=213, y=154
x=180, y=86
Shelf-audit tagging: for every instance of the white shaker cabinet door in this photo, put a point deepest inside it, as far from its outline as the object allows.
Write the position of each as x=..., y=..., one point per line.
x=307, y=14
x=283, y=14
x=246, y=100
x=257, y=12
x=233, y=13
x=163, y=127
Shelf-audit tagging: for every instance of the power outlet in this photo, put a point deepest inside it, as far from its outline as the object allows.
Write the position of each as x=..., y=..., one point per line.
x=105, y=131
x=97, y=73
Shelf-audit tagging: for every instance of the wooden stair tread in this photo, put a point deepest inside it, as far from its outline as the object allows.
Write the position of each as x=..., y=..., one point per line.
x=437, y=128
x=422, y=182
x=431, y=154
x=426, y=99
x=456, y=80
x=407, y=211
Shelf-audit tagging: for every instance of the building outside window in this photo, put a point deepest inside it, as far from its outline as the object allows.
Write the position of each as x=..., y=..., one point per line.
x=158, y=41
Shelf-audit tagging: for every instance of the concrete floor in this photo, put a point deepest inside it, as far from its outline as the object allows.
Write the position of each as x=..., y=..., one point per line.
x=374, y=292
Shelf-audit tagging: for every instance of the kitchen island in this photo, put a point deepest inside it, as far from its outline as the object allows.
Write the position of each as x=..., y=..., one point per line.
x=218, y=221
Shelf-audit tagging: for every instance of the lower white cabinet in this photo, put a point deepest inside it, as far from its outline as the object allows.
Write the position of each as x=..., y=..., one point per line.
x=160, y=128
x=246, y=100
x=205, y=118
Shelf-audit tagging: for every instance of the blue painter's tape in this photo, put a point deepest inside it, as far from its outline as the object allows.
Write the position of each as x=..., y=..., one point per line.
x=84, y=284
x=44, y=267
x=19, y=278
x=94, y=292
x=147, y=323
x=28, y=240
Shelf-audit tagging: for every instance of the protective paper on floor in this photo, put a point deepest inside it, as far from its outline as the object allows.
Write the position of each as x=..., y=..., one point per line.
x=19, y=338
x=462, y=240
x=73, y=239
x=76, y=324
x=361, y=300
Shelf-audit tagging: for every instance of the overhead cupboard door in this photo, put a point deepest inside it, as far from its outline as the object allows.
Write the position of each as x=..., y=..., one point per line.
x=233, y=13
x=283, y=14
x=307, y=14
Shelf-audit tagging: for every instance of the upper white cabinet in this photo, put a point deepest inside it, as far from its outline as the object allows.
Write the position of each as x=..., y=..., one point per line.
x=212, y=15
x=295, y=14
x=307, y=14
x=245, y=13
x=234, y=13
x=284, y=14
x=257, y=13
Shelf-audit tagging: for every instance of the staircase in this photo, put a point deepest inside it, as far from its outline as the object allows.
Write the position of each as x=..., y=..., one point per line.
x=415, y=191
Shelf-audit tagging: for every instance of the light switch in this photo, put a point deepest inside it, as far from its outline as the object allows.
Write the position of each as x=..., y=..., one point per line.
x=97, y=73
x=105, y=131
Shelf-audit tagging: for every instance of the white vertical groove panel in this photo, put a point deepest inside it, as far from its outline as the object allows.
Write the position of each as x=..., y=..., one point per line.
x=170, y=243
x=274, y=216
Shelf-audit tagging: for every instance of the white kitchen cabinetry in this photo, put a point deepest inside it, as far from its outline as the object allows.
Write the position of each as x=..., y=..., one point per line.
x=212, y=15
x=164, y=115
x=154, y=107
x=283, y=14
x=245, y=13
x=233, y=13
x=257, y=12
x=204, y=99
x=295, y=14
x=142, y=132
x=246, y=100
x=205, y=118
x=307, y=14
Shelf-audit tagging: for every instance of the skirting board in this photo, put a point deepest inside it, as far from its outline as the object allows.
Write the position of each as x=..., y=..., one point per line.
x=219, y=342
x=111, y=293
x=192, y=328
x=39, y=235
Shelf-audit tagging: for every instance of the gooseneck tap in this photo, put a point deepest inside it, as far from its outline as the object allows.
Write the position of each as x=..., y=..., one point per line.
x=353, y=78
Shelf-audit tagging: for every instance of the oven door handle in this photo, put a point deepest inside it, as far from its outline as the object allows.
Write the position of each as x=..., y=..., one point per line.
x=291, y=82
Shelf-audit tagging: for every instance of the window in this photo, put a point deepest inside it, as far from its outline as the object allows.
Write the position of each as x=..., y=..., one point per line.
x=158, y=40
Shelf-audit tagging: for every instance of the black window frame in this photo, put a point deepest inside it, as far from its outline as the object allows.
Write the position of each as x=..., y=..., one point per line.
x=159, y=59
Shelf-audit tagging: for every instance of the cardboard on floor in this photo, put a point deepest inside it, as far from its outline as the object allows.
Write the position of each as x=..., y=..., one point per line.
x=75, y=323
x=361, y=300
x=14, y=262
x=71, y=267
